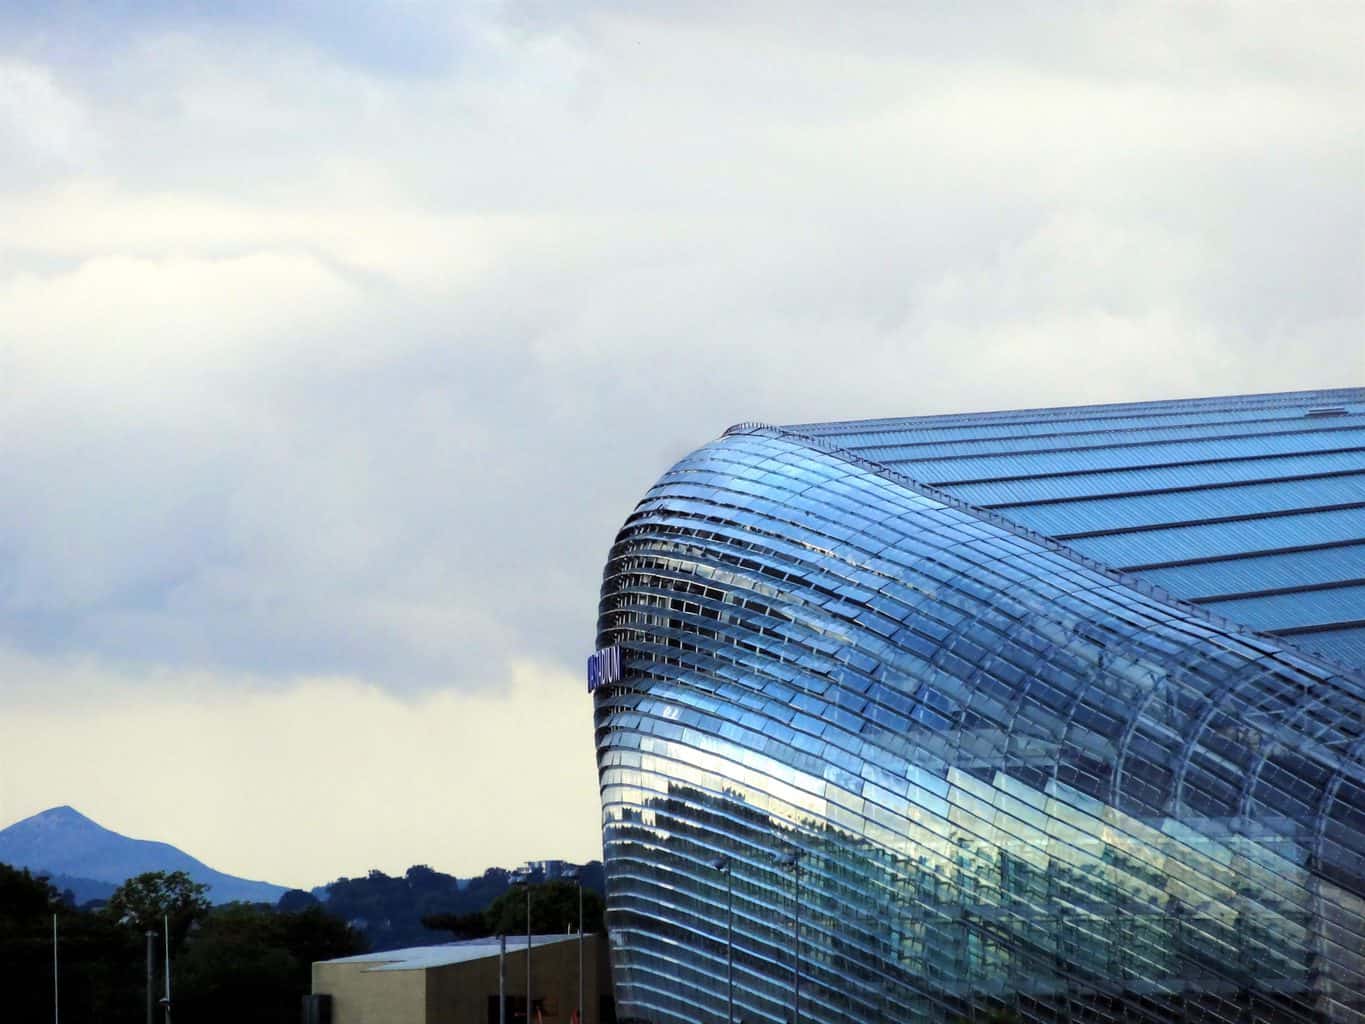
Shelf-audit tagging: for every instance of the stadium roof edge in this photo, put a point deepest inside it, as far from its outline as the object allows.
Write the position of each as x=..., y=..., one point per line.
x=829, y=445
x=1268, y=399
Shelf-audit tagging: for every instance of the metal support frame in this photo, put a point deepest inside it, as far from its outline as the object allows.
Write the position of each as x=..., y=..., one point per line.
x=725, y=864
x=792, y=859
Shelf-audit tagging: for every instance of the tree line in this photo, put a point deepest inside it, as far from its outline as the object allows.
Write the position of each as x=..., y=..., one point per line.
x=229, y=963
x=413, y=908
x=243, y=961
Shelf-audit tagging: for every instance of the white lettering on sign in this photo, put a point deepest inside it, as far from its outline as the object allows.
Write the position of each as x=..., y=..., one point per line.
x=604, y=667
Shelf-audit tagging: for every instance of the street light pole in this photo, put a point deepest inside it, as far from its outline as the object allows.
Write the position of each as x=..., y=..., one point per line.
x=726, y=865
x=528, y=951
x=151, y=976
x=579, y=880
x=166, y=920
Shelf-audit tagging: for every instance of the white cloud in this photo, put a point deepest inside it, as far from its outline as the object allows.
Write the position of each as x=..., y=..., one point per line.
x=41, y=125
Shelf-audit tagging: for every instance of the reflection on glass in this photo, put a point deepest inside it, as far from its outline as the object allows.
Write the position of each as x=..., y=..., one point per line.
x=1015, y=785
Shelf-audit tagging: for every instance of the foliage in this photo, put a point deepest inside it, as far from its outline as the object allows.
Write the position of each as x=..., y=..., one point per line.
x=554, y=910
x=24, y=896
x=461, y=926
x=390, y=910
x=146, y=900
x=403, y=911
x=240, y=961
x=297, y=899
x=249, y=962
x=100, y=977
x=236, y=962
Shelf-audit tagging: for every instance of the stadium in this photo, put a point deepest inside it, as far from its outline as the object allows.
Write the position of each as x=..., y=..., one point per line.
x=1042, y=715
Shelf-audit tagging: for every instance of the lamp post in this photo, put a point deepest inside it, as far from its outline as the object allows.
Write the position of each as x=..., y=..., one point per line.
x=792, y=859
x=166, y=1000
x=579, y=879
x=151, y=976
x=576, y=875
x=724, y=863
x=528, y=951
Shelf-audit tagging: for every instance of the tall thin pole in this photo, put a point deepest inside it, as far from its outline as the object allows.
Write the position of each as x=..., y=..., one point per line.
x=151, y=976
x=580, y=950
x=56, y=1015
x=502, y=979
x=528, y=952
x=166, y=921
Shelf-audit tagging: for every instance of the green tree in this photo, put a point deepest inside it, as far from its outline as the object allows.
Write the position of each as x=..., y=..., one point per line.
x=24, y=896
x=145, y=901
x=554, y=910
x=99, y=960
x=295, y=900
x=462, y=926
x=27, y=904
x=246, y=962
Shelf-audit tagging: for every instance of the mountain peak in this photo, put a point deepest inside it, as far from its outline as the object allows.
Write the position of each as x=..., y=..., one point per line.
x=64, y=813
x=63, y=819
x=63, y=841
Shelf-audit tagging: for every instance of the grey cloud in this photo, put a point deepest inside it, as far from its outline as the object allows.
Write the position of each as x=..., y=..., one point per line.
x=319, y=370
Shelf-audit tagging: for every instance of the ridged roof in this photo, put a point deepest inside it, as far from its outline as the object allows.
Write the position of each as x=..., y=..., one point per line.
x=1252, y=505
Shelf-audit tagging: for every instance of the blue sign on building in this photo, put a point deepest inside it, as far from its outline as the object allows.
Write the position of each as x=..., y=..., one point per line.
x=604, y=667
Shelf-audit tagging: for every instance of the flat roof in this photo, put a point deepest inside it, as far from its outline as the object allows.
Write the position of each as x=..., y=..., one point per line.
x=419, y=958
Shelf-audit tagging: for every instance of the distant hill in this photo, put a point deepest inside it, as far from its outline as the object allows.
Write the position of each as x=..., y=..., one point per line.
x=393, y=912
x=62, y=841
x=83, y=889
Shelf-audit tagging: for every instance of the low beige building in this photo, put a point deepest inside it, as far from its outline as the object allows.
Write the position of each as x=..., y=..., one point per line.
x=457, y=983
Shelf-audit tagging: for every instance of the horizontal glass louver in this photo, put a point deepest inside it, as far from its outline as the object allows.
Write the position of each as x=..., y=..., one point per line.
x=1013, y=783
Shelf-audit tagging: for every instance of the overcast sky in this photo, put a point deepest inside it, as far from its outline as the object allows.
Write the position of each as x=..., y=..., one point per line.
x=337, y=340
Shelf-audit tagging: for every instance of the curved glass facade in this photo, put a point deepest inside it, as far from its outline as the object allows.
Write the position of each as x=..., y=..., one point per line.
x=944, y=767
